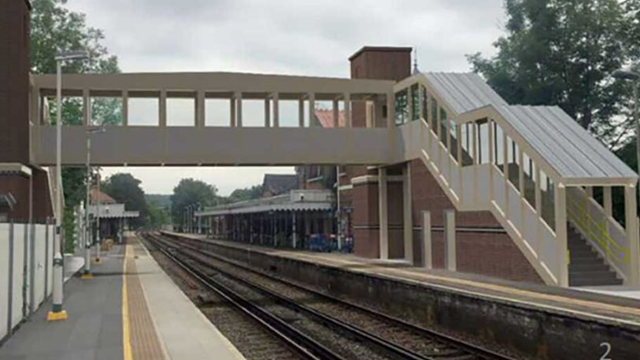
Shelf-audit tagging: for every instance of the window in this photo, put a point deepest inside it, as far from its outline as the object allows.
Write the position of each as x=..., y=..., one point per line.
x=402, y=115
x=415, y=102
x=144, y=111
x=181, y=111
x=106, y=111
x=217, y=112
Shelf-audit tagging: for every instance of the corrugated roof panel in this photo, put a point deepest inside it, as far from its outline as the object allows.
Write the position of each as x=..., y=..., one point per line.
x=568, y=148
x=571, y=150
x=464, y=92
x=527, y=128
x=606, y=159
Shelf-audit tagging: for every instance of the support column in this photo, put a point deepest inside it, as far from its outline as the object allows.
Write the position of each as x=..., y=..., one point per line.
x=336, y=113
x=427, y=249
x=294, y=235
x=450, y=240
x=347, y=110
x=163, y=108
x=631, y=222
x=608, y=208
x=407, y=212
x=276, y=110
x=561, y=234
x=312, y=109
x=391, y=111
x=382, y=213
x=125, y=108
x=238, y=96
x=86, y=108
x=538, y=201
x=232, y=111
x=200, y=102
x=267, y=112
x=301, y=113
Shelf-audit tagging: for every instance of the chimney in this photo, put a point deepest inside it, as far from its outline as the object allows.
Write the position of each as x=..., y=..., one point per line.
x=382, y=63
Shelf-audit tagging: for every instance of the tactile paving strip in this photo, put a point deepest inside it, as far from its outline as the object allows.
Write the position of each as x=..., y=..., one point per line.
x=145, y=343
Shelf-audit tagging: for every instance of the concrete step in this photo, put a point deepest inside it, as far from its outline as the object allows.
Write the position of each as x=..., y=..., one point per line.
x=588, y=266
x=594, y=282
x=585, y=259
x=592, y=275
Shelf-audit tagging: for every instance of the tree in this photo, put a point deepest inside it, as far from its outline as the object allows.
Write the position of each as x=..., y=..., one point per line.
x=563, y=52
x=125, y=189
x=190, y=192
x=53, y=29
x=158, y=216
x=250, y=193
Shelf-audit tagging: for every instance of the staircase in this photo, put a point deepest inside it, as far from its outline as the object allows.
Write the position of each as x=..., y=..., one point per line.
x=586, y=267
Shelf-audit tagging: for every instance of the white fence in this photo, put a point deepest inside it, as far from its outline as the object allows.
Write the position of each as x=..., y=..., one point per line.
x=26, y=269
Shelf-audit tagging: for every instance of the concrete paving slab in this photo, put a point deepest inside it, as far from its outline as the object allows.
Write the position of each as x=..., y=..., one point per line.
x=93, y=329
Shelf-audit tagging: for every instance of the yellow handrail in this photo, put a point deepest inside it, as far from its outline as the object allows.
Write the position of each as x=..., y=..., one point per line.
x=600, y=234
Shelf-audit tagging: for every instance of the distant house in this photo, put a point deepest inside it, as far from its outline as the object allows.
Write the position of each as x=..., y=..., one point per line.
x=278, y=184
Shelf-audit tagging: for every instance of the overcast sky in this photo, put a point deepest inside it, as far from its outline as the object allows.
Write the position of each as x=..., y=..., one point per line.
x=281, y=36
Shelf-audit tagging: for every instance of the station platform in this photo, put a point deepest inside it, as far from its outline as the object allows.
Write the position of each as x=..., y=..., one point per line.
x=130, y=309
x=611, y=305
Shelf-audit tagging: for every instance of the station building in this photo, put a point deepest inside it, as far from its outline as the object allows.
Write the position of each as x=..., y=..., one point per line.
x=113, y=217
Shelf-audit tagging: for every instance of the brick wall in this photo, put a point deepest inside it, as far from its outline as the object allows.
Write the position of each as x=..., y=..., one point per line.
x=487, y=251
x=14, y=81
x=386, y=63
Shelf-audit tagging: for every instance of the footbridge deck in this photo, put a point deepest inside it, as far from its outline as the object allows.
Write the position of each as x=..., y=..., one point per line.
x=376, y=142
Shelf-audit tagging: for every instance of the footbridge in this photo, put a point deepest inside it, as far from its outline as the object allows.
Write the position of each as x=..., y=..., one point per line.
x=299, y=142
x=532, y=167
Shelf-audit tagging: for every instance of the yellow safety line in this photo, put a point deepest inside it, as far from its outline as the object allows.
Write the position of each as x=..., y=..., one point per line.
x=126, y=335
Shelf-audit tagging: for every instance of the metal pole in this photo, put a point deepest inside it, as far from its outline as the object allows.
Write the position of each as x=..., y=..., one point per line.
x=87, y=229
x=636, y=119
x=98, y=201
x=57, y=313
x=338, y=209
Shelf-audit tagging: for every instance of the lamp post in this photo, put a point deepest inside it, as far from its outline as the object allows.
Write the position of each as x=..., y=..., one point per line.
x=634, y=77
x=57, y=313
x=87, y=230
x=98, y=202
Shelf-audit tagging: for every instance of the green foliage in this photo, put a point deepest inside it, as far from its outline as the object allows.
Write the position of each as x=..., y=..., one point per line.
x=55, y=29
x=125, y=189
x=563, y=52
x=158, y=215
x=161, y=200
x=250, y=193
x=190, y=192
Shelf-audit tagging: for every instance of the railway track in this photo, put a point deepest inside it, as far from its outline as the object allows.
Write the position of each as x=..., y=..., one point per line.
x=324, y=326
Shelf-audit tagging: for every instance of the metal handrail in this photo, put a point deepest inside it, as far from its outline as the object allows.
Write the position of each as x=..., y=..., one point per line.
x=600, y=235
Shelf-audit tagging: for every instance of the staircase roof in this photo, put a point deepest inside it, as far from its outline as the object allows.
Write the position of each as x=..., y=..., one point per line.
x=570, y=149
x=567, y=146
x=464, y=91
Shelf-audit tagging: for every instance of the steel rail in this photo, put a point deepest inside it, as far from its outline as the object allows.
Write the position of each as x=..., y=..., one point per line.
x=429, y=333
x=301, y=343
